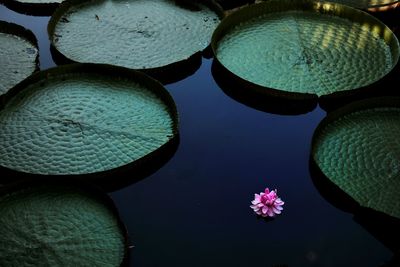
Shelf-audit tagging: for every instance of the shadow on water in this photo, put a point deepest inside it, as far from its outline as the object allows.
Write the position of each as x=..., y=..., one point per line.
x=383, y=227
x=261, y=98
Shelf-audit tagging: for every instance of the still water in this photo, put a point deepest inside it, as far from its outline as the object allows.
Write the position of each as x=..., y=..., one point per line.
x=194, y=211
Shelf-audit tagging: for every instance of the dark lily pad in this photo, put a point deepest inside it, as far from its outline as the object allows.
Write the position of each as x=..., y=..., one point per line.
x=85, y=119
x=54, y=225
x=19, y=55
x=357, y=149
x=304, y=47
x=147, y=35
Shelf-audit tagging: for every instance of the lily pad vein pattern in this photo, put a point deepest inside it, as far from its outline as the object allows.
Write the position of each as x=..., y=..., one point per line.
x=49, y=226
x=136, y=34
x=82, y=125
x=360, y=153
x=305, y=52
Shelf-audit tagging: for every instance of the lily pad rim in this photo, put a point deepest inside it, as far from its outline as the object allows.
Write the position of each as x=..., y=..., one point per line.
x=67, y=4
x=340, y=10
x=21, y=31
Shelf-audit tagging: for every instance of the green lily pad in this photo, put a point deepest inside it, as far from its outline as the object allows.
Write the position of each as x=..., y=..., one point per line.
x=135, y=34
x=85, y=118
x=357, y=148
x=305, y=47
x=51, y=225
x=19, y=55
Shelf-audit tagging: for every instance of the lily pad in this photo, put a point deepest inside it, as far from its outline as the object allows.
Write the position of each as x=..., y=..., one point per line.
x=53, y=225
x=305, y=47
x=19, y=55
x=136, y=34
x=357, y=148
x=84, y=119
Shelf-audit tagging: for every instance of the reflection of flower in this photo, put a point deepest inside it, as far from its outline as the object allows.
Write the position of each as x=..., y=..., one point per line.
x=267, y=203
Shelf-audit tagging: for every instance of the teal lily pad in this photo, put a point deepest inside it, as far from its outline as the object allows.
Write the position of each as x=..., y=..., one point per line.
x=54, y=225
x=305, y=47
x=358, y=149
x=19, y=55
x=134, y=34
x=85, y=119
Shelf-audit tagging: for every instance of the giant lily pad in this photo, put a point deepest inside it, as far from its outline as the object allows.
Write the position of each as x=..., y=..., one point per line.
x=304, y=47
x=357, y=148
x=52, y=225
x=136, y=34
x=19, y=55
x=85, y=119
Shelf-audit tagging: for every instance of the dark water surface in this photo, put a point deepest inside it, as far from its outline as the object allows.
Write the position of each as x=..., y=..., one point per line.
x=194, y=211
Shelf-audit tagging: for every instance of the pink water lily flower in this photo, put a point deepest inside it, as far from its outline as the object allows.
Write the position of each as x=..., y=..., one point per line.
x=267, y=203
